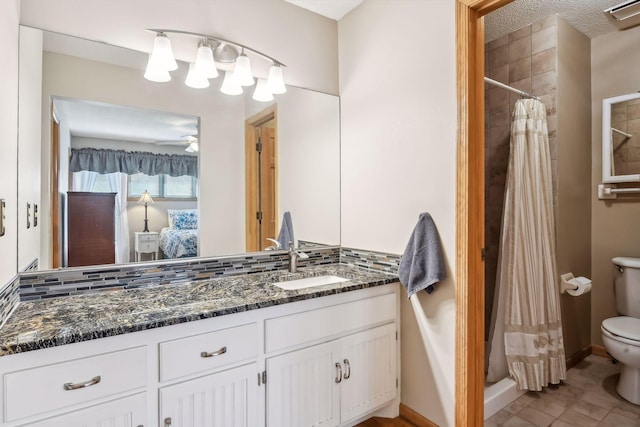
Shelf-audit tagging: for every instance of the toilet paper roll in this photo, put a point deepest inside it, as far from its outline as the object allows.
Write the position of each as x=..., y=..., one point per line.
x=582, y=286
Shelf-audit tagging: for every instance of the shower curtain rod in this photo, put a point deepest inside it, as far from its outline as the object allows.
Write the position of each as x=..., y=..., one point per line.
x=512, y=89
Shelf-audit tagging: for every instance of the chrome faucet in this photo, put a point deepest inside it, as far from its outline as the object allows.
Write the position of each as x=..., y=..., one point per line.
x=294, y=255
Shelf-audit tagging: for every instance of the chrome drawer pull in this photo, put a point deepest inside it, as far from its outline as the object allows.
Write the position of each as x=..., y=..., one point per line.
x=338, y=372
x=347, y=365
x=72, y=386
x=222, y=350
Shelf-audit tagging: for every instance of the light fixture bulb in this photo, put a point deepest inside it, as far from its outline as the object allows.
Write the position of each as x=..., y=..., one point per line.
x=262, y=92
x=162, y=54
x=195, y=79
x=204, y=62
x=242, y=71
x=275, y=81
x=229, y=85
x=192, y=148
x=156, y=73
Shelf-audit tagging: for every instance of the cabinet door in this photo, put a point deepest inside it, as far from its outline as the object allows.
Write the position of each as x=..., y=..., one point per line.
x=369, y=367
x=225, y=399
x=301, y=388
x=126, y=412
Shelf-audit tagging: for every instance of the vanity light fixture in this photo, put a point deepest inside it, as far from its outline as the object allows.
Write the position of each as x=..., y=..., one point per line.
x=262, y=92
x=195, y=79
x=214, y=51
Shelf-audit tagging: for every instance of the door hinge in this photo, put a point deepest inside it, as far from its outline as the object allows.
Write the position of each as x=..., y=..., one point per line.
x=259, y=216
x=396, y=335
x=483, y=253
x=396, y=383
x=259, y=147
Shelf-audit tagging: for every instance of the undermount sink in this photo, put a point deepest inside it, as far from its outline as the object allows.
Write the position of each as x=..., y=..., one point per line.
x=309, y=282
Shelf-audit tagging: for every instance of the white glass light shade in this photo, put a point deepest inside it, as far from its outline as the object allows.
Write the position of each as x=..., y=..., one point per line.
x=205, y=65
x=262, y=92
x=156, y=73
x=242, y=71
x=195, y=79
x=162, y=54
x=229, y=85
x=275, y=81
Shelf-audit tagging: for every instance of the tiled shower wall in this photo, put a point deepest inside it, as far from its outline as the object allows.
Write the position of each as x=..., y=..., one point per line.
x=525, y=59
x=625, y=116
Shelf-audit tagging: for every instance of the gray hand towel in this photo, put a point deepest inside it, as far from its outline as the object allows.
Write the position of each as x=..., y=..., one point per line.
x=422, y=264
x=286, y=232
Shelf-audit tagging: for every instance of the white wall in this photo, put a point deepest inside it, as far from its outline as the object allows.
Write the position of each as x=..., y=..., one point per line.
x=9, y=18
x=615, y=61
x=398, y=103
x=304, y=41
x=29, y=134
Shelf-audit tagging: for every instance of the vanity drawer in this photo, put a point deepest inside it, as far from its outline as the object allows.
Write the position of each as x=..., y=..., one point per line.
x=43, y=389
x=299, y=328
x=199, y=353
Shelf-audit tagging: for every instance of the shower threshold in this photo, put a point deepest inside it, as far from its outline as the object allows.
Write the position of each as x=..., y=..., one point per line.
x=499, y=395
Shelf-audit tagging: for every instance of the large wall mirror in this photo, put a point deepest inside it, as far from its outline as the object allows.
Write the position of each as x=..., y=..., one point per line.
x=84, y=98
x=621, y=139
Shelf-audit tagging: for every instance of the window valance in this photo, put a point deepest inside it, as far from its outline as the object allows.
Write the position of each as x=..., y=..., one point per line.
x=131, y=162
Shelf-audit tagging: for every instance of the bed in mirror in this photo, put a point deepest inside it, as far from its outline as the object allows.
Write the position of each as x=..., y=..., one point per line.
x=254, y=160
x=621, y=139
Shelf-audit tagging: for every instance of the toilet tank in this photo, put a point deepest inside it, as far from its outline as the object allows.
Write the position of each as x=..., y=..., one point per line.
x=627, y=285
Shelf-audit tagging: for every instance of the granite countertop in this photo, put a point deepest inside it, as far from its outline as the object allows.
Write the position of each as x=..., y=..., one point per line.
x=49, y=323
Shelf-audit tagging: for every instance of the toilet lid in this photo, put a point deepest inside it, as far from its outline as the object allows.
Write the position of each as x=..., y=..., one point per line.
x=623, y=326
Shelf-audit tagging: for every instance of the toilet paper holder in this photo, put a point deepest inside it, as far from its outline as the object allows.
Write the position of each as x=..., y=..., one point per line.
x=570, y=283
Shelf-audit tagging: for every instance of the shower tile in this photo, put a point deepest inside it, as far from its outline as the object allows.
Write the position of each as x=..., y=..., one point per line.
x=520, y=69
x=544, y=83
x=546, y=23
x=633, y=111
x=518, y=34
x=543, y=61
x=549, y=101
x=552, y=125
x=498, y=98
x=498, y=116
x=500, y=41
x=498, y=57
x=520, y=49
x=500, y=74
x=553, y=148
x=543, y=39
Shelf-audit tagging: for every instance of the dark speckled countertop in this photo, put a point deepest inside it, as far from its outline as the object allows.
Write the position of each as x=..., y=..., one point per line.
x=49, y=323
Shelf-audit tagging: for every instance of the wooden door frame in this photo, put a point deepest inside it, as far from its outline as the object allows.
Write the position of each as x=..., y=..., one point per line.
x=257, y=120
x=469, y=387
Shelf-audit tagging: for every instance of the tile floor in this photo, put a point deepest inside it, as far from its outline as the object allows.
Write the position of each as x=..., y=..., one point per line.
x=587, y=398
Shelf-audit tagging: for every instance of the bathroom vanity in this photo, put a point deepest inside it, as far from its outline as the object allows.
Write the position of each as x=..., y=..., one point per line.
x=234, y=351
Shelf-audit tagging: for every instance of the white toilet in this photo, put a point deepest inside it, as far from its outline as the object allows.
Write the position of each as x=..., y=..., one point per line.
x=621, y=335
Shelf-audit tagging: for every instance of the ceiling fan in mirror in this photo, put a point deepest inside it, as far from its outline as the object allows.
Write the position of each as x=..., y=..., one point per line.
x=191, y=141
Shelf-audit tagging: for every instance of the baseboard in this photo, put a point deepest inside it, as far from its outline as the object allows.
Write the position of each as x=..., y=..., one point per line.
x=578, y=357
x=414, y=418
x=599, y=350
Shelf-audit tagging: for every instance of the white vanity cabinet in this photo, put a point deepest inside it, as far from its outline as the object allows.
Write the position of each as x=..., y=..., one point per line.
x=339, y=380
x=324, y=361
x=125, y=412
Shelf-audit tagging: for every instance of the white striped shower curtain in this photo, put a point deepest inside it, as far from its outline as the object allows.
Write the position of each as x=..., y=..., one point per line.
x=527, y=340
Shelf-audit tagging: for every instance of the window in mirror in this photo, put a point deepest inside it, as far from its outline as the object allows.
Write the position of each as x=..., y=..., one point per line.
x=621, y=139
x=163, y=186
x=101, y=185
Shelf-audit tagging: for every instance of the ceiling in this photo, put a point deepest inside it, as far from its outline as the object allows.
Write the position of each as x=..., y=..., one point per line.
x=334, y=9
x=586, y=16
x=116, y=122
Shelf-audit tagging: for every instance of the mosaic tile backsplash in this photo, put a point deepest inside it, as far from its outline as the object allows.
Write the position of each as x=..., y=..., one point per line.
x=370, y=260
x=53, y=284
x=9, y=299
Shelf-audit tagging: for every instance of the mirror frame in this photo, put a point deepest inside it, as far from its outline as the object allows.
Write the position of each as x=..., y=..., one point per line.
x=607, y=147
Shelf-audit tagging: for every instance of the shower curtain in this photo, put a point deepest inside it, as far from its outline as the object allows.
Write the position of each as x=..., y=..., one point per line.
x=527, y=339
